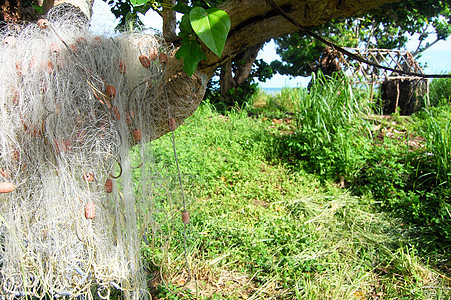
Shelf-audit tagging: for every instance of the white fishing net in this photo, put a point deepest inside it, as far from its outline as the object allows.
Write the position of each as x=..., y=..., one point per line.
x=72, y=104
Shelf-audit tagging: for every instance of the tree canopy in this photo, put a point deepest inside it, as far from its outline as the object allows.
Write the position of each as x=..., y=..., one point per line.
x=379, y=29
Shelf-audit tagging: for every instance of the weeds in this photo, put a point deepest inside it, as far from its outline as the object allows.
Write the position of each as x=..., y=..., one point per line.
x=268, y=219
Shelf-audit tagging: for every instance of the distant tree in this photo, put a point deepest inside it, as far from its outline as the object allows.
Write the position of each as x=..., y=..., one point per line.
x=300, y=53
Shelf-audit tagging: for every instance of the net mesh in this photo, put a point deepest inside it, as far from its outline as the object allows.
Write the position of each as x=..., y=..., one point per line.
x=72, y=105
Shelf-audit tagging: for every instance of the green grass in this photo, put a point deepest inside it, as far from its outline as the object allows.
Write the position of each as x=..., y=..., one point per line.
x=268, y=221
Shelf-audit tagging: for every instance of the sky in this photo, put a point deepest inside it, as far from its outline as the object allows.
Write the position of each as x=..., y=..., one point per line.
x=437, y=58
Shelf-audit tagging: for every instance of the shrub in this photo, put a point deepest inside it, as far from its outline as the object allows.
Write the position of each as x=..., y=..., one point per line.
x=440, y=91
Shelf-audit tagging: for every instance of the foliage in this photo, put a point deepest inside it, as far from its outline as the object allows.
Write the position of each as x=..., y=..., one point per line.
x=440, y=91
x=401, y=163
x=210, y=25
x=273, y=229
x=327, y=137
x=377, y=29
x=238, y=96
x=301, y=63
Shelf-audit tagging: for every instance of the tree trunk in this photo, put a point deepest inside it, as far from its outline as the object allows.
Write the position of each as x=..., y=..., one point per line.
x=242, y=63
x=226, y=81
x=169, y=20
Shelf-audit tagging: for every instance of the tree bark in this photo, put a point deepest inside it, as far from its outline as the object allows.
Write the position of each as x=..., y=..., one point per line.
x=169, y=20
x=243, y=63
x=226, y=81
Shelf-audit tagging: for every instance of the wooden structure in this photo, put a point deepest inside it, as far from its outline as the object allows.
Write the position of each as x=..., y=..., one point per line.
x=398, y=91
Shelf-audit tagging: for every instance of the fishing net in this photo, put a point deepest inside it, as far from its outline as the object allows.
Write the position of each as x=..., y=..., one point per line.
x=72, y=105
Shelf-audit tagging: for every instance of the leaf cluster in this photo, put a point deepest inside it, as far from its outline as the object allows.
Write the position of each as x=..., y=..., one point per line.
x=200, y=20
x=210, y=25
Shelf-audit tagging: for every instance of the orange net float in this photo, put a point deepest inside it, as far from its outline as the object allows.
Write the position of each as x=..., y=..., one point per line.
x=88, y=177
x=137, y=134
x=116, y=113
x=172, y=124
x=121, y=66
x=144, y=60
x=10, y=41
x=110, y=91
x=6, y=187
x=5, y=173
x=55, y=49
x=108, y=186
x=90, y=210
x=185, y=217
x=153, y=53
x=43, y=23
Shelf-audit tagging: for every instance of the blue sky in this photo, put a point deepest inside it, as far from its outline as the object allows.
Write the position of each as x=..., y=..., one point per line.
x=437, y=58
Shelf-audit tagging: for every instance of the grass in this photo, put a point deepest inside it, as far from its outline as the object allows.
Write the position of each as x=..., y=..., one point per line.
x=267, y=223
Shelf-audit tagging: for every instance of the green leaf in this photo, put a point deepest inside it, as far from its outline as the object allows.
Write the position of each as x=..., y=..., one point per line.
x=138, y=2
x=185, y=26
x=182, y=8
x=192, y=54
x=38, y=9
x=212, y=26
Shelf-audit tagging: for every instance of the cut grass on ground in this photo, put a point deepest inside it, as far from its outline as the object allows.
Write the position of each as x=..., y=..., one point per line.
x=261, y=230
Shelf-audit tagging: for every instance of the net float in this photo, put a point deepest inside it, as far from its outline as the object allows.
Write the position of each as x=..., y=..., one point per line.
x=43, y=23
x=172, y=124
x=73, y=48
x=144, y=60
x=121, y=66
x=15, y=96
x=110, y=91
x=185, y=217
x=54, y=48
x=61, y=145
x=88, y=177
x=6, y=187
x=81, y=41
x=48, y=66
x=19, y=68
x=108, y=103
x=116, y=113
x=153, y=53
x=10, y=41
x=90, y=210
x=98, y=40
x=15, y=155
x=163, y=58
x=137, y=134
x=5, y=173
x=108, y=185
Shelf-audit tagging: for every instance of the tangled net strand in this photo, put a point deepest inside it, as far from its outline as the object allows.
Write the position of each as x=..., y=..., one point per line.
x=72, y=105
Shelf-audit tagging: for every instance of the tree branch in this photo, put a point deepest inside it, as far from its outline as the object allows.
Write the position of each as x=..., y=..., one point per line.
x=169, y=20
x=254, y=22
